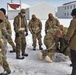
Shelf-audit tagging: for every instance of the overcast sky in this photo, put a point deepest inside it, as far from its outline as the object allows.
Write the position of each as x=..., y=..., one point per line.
x=55, y=3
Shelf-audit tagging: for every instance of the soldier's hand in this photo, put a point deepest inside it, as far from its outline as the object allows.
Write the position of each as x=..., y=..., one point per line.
x=26, y=33
x=66, y=41
x=17, y=34
x=2, y=41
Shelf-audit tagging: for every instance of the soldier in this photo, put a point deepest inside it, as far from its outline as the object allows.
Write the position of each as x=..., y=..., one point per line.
x=3, y=47
x=63, y=48
x=35, y=27
x=70, y=38
x=50, y=44
x=8, y=28
x=20, y=27
x=51, y=22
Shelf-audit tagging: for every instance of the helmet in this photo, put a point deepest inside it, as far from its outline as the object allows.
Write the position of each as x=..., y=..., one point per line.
x=73, y=13
x=3, y=10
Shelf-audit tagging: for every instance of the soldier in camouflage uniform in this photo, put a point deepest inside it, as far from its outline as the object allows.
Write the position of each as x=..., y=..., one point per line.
x=8, y=28
x=20, y=27
x=4, y=35
x=35, y=27
x=64, y=48
x=51, y=22
x=50, y=44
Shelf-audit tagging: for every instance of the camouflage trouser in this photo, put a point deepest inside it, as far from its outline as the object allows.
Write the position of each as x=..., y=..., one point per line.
x=36, y=36
x=4, y=64
x=20, y=44
x=10, y=41
x=4, y=48
x=4, y=51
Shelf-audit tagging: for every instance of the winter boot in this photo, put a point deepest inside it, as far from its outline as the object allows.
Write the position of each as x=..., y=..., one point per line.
x=40, y=48
x=34, y=48
x=48, y=59
x=6, y=72
x=40, y=56
x=19, y=57
x=71, y=65
x=12, y=51
x=24, y=54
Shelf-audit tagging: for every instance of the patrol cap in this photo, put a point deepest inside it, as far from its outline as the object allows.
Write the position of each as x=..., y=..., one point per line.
x=2, y=17
x=73, y=13
x=23, y=11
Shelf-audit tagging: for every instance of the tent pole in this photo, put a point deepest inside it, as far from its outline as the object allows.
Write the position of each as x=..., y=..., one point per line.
x=20, y=4
x=11, y=1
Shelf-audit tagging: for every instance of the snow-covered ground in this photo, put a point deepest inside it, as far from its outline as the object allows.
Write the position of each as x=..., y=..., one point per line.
x=31, y=65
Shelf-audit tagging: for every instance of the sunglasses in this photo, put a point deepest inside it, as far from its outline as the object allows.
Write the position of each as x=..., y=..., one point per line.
x=23, y=12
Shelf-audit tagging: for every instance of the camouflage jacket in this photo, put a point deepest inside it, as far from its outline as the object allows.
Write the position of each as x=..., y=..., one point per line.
x=20, y=22
x=35, y=26
x=8, y=26
x=50, y=23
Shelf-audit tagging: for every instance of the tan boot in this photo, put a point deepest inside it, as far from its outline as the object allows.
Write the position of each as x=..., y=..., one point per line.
x=39, y=54
x=48, y=59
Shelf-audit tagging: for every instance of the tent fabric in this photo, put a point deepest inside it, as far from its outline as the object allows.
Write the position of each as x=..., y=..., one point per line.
x=14, y=6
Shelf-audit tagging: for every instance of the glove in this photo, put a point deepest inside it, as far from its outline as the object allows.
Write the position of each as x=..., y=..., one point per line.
x=1, y=21
x=17, y=34
x=21, y=29
x=66, y=41
x=26, y=33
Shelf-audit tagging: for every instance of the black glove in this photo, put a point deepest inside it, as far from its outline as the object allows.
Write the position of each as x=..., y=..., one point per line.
x=17, y=34
x=26, y=33
x=66, y=42
x=1, y=21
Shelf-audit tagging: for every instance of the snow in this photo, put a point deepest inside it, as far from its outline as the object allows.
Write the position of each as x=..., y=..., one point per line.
x=31, y=65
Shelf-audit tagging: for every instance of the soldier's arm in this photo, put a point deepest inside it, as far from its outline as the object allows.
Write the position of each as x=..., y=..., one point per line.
x=40, y=25
x=29, y=26
x=8, y=28
x=71, y=30
x=58, y=23
x=46, y=27
x=26, y=28
x=15, y=23
x=4, y=32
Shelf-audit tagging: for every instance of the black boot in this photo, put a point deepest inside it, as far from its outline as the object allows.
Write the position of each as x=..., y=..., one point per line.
x=6, y=72
x=71, y=65
x=24, y=54
x=19, y=57
x=40, y=48
x=34, y=48
x=12, y=51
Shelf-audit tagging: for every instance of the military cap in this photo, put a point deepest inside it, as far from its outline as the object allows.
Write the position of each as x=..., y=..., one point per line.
x=23, y=11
